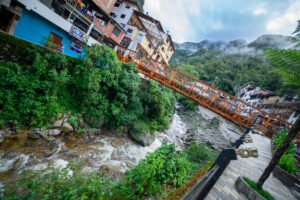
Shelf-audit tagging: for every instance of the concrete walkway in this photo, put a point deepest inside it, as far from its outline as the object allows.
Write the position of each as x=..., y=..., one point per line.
x=252, y=168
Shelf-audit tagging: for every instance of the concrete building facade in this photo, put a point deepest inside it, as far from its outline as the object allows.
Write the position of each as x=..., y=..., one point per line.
x=66, y=23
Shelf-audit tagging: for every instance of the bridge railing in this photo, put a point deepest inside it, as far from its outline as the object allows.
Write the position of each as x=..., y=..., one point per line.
x=203, y=93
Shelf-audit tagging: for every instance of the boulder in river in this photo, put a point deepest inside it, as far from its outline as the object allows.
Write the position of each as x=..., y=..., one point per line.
x=144, y=138
x=67, y=127
x=58, y=124
x=100, y=122
x=54, y=132
x=81, y=123
x=33, y=136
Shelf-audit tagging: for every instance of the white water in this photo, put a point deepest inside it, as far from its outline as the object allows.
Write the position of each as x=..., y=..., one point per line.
x=109, y=151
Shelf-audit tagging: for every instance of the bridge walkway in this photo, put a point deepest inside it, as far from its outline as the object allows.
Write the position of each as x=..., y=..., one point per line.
x=252, y=168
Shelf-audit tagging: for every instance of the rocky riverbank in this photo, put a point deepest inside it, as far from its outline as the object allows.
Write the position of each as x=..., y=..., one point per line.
x=112, y=151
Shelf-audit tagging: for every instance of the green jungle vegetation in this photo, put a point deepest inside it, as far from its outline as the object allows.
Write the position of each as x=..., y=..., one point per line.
x=34, y=93
x=262, y=192
x=154, y=177
x=230, y=72
x=287, y=161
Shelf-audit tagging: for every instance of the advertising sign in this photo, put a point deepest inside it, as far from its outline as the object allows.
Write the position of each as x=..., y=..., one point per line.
x=77, y=33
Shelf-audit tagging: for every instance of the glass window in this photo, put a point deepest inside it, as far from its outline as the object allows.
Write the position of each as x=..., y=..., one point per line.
x=81, y=25
x=127, y=7
x=116, y=31
x=129, y=30
x=123, y=16
x=95, y=34
x=117, y=5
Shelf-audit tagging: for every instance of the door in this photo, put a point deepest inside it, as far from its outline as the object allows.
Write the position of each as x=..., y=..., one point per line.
x=53, y=41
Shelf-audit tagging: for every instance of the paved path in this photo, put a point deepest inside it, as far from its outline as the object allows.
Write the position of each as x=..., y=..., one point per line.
x=252, y=168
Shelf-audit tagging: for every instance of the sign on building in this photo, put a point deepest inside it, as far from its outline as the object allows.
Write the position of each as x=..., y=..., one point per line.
x=77, y=33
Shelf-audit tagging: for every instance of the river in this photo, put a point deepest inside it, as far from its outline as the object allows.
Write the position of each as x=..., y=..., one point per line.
x=110, y=151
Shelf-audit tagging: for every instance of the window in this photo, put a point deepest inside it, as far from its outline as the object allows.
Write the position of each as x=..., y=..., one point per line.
x=127, y=7
x=113, y=14
x=117, y=5
x=129, y=30
x=150, y=46
x=123, y=16
x=95, y=34
x=116, y=31
x=66, y=14
x=163, y=49
x=81, y=25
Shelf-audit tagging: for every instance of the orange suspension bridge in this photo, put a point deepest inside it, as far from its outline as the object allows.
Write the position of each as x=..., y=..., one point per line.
x=203, y=93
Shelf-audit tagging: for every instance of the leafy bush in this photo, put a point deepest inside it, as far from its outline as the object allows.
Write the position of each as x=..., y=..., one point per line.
x=99, y=84
x=264, y=193
x=163, y=167
x=287, y=161
x=68, y=183
x=159, y=172
x=29, y=94
x=199, y=152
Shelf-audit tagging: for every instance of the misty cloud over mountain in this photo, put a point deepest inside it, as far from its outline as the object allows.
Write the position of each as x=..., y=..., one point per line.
x=239, y=46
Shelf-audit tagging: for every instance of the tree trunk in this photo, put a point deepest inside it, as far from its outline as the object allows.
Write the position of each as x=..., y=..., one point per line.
x=279, y=152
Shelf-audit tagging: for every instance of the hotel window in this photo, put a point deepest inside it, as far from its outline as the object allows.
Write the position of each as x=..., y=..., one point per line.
x=116, y=31
x=95, y=34
x=123, y=16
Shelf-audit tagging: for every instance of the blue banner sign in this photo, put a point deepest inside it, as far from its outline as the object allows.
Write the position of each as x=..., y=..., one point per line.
x=77, y=33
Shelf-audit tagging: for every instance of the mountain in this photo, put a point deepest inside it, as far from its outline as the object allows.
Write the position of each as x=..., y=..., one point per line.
x=272, y=41
x=193, y=47
x=239, y=45
x=229, y=65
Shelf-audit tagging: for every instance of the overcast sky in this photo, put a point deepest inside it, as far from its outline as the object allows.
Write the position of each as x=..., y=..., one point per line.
x=195, y=20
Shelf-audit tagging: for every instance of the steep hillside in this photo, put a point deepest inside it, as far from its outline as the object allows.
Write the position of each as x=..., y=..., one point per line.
x=229, y=65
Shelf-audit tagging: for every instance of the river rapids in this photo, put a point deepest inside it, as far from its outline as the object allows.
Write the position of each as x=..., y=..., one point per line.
x=111, y=151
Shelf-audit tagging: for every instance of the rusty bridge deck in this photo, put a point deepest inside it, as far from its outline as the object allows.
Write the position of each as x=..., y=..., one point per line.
x=203, y=93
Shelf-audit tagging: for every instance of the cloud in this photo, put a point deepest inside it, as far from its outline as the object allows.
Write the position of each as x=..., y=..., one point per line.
x=260, y=11
x=195, y=20
x=176, y=21
x=287, y=22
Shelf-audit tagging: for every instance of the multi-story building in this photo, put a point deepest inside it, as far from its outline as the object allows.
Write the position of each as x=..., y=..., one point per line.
x=284, y=107
x=144, y=34
x=67, y=22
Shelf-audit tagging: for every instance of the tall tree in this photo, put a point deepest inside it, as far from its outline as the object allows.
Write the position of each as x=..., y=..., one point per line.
x=288, y=66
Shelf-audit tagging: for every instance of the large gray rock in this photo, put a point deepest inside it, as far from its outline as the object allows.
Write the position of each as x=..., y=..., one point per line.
x=58, y=124
x=67, y=127
x=100, y=122
x=1, y=140
x=33, y=136
x=144, y=138
x=42, y=133
x=54, y=132
x=81, y=123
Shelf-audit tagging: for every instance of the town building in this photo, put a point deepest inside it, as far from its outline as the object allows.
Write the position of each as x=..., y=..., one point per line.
x=287, y=108
x=144, y=34
x=64, y=22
